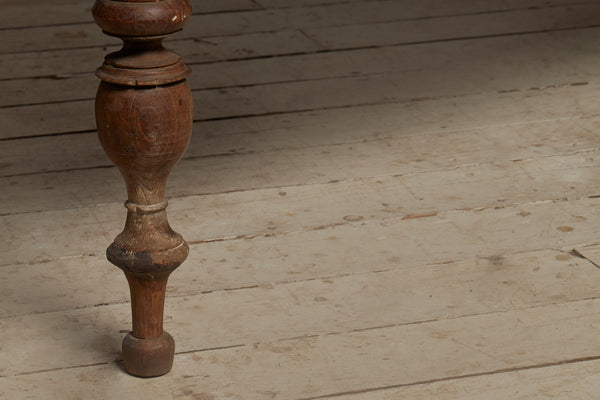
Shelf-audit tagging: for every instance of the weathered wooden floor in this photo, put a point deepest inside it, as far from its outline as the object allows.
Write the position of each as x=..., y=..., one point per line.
x=385, y=199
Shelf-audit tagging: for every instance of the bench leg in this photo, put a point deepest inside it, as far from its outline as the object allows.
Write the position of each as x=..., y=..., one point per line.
x=144, y=120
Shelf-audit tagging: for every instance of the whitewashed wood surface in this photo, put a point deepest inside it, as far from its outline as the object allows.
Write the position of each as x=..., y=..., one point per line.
x=384, y=199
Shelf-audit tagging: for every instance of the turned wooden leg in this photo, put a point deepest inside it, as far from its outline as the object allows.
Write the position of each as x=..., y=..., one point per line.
x=144, y=119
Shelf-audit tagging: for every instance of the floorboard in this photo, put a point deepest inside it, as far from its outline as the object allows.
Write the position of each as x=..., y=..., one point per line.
x=299, y=166
x=309, y=308
x=479, y=344
x=544, y=59
x=573, y=380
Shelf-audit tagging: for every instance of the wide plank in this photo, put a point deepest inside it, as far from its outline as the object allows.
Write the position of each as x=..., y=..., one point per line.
x=327, y=24
x=573, y=380
x=299, y=166
x=403, y=121
x=313, y=367
x=203, y=26
x=287, y=97
x=247, y=243
x=306, y=308
x=542, y=60
x=50, y=63
x=456, y=27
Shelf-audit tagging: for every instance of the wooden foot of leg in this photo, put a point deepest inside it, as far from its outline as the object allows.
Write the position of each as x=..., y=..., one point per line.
x=147, y=358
